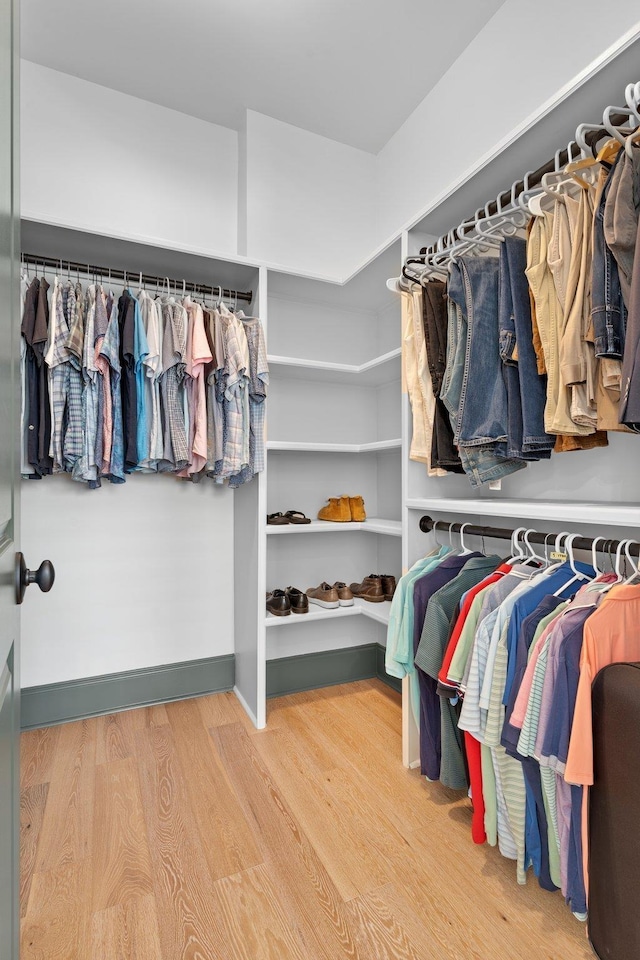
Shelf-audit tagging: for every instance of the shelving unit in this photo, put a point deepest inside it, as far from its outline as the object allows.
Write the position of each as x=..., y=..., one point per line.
x=611, y=514
x=304, y=446
x=333, y=428
x=372, y=373
x=374, y=611
x=389, y=528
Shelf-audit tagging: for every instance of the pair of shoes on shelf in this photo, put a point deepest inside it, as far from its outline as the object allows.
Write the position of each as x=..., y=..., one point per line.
x=343, y=510
x=291, y=516
x=281, y=603
x=375, y=588
x=331, y=596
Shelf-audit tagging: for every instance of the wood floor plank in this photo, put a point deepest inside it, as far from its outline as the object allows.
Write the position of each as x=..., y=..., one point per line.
x=380, y=932
x=228, y=840
x=182, y=883
x=33, y=801
x=38, y=751
x=126, y=932
x=115, y=736
x=343, y=735
x=154, y=715
x=254, y=921
x=335, y=830
x=121, y=860
x=309, y=896
x=56, y=924
x=222, y=708
x=67, y=828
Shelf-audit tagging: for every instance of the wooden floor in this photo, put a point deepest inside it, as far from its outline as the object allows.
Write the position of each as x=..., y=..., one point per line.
x=180, y=832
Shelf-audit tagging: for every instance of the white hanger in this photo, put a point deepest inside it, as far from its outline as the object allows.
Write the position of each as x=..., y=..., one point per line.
x=517, y=553
x=465, y=548
x=532, y=554
x=634, y=567
x=577, y=575
x=594, y=556
x=611, y=128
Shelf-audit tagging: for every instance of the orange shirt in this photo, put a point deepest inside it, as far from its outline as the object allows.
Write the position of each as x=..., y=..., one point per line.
x=611, y=635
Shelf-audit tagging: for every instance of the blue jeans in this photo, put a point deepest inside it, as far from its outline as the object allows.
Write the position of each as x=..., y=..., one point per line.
x=526, y=389
x=483, y=412
x=608, y=312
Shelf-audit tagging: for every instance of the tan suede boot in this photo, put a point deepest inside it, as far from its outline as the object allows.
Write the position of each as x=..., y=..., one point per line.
x=356, y=505
x=337, y=510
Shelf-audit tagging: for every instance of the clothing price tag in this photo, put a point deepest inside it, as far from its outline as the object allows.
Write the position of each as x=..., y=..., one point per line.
x=495, y=485
x=556, y=555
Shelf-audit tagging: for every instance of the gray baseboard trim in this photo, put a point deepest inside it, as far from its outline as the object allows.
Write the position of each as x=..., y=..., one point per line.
x=382, y=674
x=326, y=668
x=53, y=703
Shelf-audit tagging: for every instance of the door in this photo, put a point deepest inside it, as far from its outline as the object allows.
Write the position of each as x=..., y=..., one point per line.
x=9, y=485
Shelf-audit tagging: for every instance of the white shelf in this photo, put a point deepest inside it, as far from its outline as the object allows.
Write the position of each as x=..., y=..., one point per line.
x=610, y=514
x=391, y=528
x=304, y=446
x=373, y=373
x=374, y=611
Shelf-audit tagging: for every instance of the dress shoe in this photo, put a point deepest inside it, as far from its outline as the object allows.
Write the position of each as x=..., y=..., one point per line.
x=356, y=505
x=388, y=584
x=325, y=596
x=278, y=603
x=337, y=510
x=299, y=601
x=370, y=589
x=345, y=596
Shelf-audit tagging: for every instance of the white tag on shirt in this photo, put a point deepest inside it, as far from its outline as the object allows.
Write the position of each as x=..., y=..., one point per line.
x=495, y=485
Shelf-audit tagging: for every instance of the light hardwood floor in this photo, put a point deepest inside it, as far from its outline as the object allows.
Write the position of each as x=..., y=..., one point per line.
x=181, y=833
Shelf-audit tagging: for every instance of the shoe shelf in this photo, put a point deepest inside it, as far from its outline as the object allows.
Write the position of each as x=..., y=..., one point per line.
x=304, y=446
x=390, y=528
x=374, y=611
x=617, y=514
x=373, y=373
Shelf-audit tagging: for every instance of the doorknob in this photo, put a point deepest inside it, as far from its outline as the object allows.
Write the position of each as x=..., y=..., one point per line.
x=43, y=576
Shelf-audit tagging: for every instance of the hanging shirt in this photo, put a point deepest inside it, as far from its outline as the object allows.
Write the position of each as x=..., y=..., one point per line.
x=110, y=352
x=127, y=323
x=151, y=320
x=140, y=353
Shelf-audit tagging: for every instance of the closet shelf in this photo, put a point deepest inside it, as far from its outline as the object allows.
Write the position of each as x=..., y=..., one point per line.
x=304, y=446
x=373, y=373
x=391, y=528
x=373, y=611
x=616, y=514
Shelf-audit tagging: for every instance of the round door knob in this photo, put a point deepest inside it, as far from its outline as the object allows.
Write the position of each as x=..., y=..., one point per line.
x=44, y=576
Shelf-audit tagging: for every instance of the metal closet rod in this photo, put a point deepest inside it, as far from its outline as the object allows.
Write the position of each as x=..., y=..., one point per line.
x=73, y=266
x=501, y=533
x=591, y=137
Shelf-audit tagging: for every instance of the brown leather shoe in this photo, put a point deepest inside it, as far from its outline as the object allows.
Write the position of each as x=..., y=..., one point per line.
x=299, y=601
x=345, y=596
x=388, y=584
x=370, y=589
x=278, y=604
x=325, y=596
x=356, y=505
x=337, y=510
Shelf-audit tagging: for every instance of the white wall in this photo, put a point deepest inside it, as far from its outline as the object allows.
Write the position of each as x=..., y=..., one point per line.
x=104, y=161
x=309, y=199
x=144, y=576
x=522, y=57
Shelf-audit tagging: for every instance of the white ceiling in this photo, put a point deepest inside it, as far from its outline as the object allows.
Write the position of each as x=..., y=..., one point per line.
x=350, y=70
